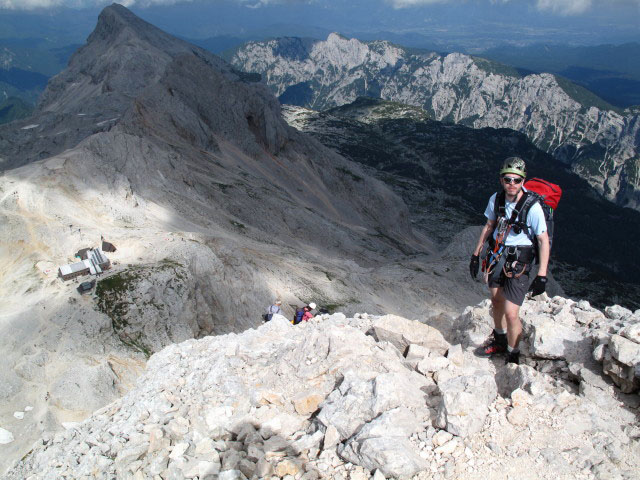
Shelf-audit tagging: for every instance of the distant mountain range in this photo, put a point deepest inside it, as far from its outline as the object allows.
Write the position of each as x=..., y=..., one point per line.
x=599, y=142
x=610, y=71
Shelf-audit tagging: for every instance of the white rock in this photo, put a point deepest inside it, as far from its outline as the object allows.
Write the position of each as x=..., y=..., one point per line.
x=441, y=437
x=616, y=312
x=464, y=403
x=556, y=341
x=331, y=437
x=402, y=333
x=416, y=352
x=394, y=457
x=447, y=448
x=631, y=332
x=517, y=416
x=5, y=436
x=624, y=350
x=18, y=415
x=456, y=355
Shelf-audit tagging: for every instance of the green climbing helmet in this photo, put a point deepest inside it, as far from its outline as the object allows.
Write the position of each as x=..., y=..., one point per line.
x=514, y=165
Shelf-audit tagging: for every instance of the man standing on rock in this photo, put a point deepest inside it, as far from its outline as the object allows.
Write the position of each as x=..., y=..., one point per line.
x=509, y=258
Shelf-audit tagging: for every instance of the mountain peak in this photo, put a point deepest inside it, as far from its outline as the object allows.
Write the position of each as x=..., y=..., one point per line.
x=113, y=19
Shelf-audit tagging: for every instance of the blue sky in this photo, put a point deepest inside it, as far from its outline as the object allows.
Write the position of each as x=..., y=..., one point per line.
x=447, y=22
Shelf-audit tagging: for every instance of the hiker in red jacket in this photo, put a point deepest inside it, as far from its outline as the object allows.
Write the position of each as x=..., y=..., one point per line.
x=307, y=312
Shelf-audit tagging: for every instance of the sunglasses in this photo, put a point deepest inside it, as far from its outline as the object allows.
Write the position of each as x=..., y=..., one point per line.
x=514, y=180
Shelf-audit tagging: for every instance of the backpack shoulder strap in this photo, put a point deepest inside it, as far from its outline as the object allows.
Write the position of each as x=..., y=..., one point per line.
x=498, y=204
x=531, y=199
x=523, y=204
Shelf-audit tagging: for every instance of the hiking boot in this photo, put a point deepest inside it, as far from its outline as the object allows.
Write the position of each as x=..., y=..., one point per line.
x=496, y=344
x=513, y=357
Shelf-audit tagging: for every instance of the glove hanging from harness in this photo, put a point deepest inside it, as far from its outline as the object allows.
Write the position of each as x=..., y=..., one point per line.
x=503, y=228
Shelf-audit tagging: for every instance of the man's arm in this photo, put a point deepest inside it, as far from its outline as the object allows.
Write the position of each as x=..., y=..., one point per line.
x=543, y=253
x=486, y=231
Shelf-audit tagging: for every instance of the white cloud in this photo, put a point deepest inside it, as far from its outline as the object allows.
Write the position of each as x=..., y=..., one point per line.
x=564, y=7
x=413, y=3
x=29, y=4
x=36, y=4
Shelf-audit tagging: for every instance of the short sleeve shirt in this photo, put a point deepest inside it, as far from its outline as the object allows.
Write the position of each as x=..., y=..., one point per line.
x=535, y=222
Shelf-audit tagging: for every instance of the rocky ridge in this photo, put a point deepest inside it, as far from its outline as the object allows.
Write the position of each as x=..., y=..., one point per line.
x=372, y=397
x=600, y=143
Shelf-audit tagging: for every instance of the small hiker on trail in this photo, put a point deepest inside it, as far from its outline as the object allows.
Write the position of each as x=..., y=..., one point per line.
x=509, y=258
x=303, y=314
x=272, y=310
x=307, y=312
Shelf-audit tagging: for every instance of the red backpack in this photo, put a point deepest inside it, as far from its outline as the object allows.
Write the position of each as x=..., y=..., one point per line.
x=546, y=193
x=550, y=192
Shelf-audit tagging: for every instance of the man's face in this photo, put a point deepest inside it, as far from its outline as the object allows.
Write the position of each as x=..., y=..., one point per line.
x=511, y=183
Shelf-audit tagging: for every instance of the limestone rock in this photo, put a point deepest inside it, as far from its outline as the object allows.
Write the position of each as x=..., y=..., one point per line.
x=307, y=403
x=5, y=436
x=465, y=401
x=556, y=341
x=624, y=350
x=402, y=333
x=394, y=457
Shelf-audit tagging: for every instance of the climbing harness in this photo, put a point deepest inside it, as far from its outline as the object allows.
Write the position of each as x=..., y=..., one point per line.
x=504, y=226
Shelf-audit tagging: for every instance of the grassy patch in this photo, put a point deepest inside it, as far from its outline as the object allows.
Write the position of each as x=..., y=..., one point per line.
x=490, y=66
x=112, y=297
x=116, y=294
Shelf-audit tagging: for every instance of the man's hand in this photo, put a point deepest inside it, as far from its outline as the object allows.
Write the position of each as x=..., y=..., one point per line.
x=474, y=266
x=538, y=285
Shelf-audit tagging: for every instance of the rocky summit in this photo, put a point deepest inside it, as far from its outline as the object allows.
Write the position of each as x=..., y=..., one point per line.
x=598, y=141
x=372, y=397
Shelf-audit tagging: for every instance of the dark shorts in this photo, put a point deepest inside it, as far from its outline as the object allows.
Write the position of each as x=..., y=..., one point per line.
x=513, y=289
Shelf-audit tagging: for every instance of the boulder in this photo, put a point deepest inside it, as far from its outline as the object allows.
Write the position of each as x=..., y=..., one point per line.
x=616, y=312
x=5, y=436
x=358, y=399
x=402, y=332
x=394, y=457
x=555, y=341
x=465, y=402
x=624, y=350
x=632, y=332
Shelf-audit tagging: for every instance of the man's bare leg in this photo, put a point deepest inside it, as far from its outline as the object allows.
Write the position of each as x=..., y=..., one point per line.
x=514, y=325
x=498, y=303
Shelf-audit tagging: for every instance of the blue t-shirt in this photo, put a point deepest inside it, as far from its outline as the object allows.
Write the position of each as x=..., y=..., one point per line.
x=535, y=221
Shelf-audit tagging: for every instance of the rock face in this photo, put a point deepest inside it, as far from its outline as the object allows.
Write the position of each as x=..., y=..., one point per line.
x=576, y=127
x=326, y=399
